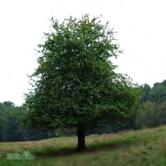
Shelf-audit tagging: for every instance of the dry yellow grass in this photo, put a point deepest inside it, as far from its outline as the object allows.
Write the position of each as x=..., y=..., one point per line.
x=128, y=148
x=69, y=142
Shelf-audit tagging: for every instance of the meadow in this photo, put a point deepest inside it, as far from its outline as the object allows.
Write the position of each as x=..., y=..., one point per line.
x=145, y=147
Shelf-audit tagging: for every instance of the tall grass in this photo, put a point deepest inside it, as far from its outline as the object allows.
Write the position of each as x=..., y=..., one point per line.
x=144, y=147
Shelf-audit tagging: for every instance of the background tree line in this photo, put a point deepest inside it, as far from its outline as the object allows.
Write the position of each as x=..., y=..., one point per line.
x=11, y=126
x=152, y=111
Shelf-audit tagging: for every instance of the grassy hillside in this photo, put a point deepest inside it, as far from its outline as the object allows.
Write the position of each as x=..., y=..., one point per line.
x=145, y=147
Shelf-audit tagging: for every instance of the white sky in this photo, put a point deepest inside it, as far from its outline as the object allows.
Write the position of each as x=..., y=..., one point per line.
x=140, y=27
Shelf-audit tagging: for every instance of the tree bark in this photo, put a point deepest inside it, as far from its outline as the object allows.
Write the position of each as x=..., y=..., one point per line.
x=81, y=139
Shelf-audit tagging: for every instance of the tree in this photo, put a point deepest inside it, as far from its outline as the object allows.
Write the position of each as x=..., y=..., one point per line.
x=151, y=114
x=158, y=92
x=9, y=103
x=75, y=84
x=146, y=90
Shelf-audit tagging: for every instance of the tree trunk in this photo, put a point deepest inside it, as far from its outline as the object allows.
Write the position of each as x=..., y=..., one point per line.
x=81, y=139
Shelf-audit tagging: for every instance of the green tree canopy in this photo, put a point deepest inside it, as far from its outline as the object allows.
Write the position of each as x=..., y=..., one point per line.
x=75, y=84
x=156, y=93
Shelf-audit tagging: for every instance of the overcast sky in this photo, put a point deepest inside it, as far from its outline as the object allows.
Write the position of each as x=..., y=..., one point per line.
x=140, y=27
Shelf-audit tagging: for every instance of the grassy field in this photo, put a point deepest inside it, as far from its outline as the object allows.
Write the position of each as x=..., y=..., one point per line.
x=131, y=148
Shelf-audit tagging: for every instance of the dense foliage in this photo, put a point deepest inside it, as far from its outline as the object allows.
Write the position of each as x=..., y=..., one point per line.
x=75, y=84
x=155, y=94
x=11, y=128
x=153, y=108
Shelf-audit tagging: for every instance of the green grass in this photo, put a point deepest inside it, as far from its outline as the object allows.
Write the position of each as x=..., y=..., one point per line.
x=139, y=148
